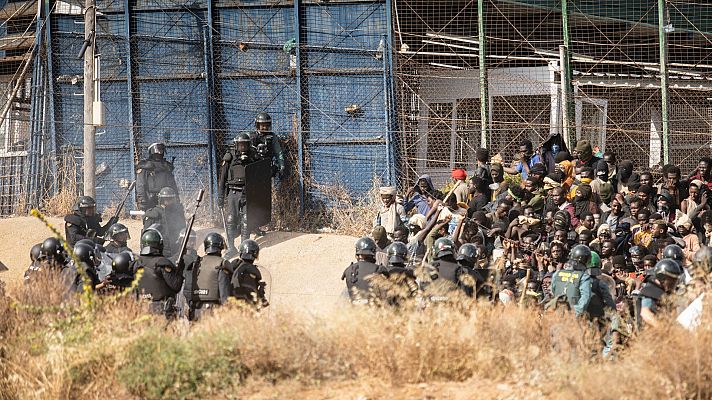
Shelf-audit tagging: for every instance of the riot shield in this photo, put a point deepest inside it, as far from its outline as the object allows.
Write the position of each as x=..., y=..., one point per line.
x=258, y=191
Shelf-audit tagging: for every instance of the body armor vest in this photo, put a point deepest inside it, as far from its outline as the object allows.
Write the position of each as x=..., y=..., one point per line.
x=595, y=306
x=205, y=279
x=357, y=273
x=236, y=173
x=567, y=285
x=152, y=286
x=159, y=174
x=448, y=270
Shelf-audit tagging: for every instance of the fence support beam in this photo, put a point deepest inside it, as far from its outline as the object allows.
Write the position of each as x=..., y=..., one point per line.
x=50, y=83
x=393, y=105
x=665, y=101
x=302, y=100
x=567, y=89
x=133, y=132
x=210, y=105
x=484, y=83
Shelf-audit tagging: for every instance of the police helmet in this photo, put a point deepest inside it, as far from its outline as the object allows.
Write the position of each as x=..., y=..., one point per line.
x=580, y=253
x=157, y=148
x=36, y=251
x=116, y=229
x=242, y=137
x=214, y=243
x=51, y=248
x=167, y=193
x=638, y=251
x=667, y=269
x=85, y=202
x=703, y=259
x=365, y=247
x=443, y=247
x=121, y=264
x=397, y=253
x=263, y=118
x=151, y=242
x=249, y=250
x=85, y=253
x=467, y=254
x=594, y=265
x=674, y=252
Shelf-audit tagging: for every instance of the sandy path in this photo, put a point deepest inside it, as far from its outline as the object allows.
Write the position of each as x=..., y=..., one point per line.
x=305, y=268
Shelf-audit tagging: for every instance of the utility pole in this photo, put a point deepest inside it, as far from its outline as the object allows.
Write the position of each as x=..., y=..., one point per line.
x=89, y=128
x=567, y=89
x=484, y=92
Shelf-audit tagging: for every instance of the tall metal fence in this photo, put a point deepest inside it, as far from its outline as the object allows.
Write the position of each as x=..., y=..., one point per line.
x=613, y=60
x=193, y=75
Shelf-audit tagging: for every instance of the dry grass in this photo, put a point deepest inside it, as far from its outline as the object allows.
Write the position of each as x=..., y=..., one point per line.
x=63, y=350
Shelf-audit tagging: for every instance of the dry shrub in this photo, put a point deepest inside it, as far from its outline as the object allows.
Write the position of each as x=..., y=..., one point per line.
x=346, y=214
x=114, y=350
x=63, y=201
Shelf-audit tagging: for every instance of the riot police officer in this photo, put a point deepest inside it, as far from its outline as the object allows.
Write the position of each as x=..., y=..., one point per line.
x=84, y=222
x=191, y=253
x=207, y=281
x=247, y=284
x=118, y=234
x=267, y=144
x=445, y=266
x=357, y=274
x=663, y=282
x=85, y=253
x=601, y=298
x=572, y=285
x=161, y=280
x=467, y=256
x=231, y=188
x=401, y=279
x=121, y=276
x=152, y=175
x=169, y=213
x=51, y=257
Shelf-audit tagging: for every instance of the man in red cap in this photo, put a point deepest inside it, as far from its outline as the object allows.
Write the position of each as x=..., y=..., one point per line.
x=460, y=192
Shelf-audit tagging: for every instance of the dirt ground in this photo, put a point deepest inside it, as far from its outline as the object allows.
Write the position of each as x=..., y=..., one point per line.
x=305, y=268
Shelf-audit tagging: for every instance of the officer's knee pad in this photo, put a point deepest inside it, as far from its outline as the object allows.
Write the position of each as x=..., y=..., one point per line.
x=231, y=221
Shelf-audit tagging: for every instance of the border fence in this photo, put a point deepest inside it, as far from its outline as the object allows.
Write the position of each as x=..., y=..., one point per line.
x=359, y=89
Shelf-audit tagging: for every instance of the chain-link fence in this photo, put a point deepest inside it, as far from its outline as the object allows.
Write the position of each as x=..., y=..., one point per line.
x=194, y=75
x=614, y=61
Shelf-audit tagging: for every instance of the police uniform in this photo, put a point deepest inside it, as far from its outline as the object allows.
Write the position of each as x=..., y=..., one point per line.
x=77, y=227
x=152, y=175
x=403, y=280
x=600, y=299
x=232, y=183
x=160, y=283
x=650, y=296
x=356, y=279
x=74, y=279
x=247, y=284
x=206, y=284
x=572, y=286
x=172, y=219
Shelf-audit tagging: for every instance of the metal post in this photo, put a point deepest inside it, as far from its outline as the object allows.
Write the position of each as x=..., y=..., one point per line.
x=393, y=103
x=300, y=116
x=50, y=84
x=567, y=90
x=665, y=101
x=207, y=60
x=484, y=83
x=35, y=121
x=386, y=102
x=133, y=133
x=89, y=129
